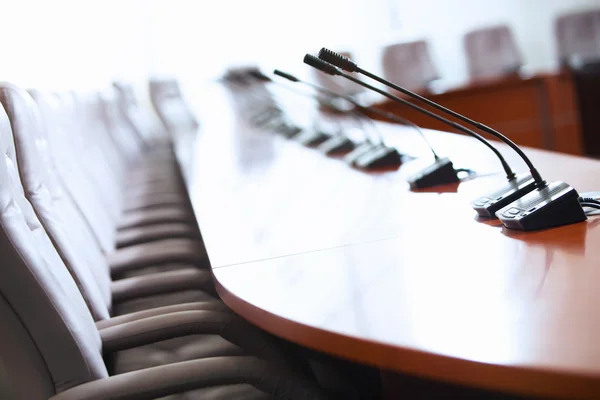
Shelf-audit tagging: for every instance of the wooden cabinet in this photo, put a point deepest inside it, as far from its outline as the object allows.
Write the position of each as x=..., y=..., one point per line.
x=539, y=111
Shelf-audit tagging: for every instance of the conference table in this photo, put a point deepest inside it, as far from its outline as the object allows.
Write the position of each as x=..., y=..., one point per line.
x=355, y=264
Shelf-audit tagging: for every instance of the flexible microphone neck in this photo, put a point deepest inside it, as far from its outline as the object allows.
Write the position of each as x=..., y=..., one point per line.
x=310, y=96
x=332, y=70
x=394, y=118
x=338, y=60
x=359, y=107
x=360, y=110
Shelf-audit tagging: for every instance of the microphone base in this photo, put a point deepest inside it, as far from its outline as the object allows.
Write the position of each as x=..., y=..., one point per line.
x=288, y=130
x=337, y=145
x=313, y=138
x=380, y=157
x=487, y=205
x=555, y=204
x=266, y=117
x=358, y=152
x=441, y=172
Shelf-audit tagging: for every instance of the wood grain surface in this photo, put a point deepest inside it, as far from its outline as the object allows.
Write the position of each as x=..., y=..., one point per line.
x=356, y=264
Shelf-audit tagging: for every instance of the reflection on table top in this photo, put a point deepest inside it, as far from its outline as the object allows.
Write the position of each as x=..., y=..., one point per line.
x=355, y=264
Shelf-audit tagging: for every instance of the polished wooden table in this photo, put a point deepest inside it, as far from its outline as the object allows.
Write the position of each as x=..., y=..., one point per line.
x=355, y=264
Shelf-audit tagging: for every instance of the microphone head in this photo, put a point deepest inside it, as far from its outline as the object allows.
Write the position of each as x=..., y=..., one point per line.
x=338, y=60
x=321, y=65
x=286, y=75
x=258, y=75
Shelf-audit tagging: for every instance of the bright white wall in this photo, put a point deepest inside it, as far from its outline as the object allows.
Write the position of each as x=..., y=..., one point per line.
x=85, y=44
x=69, y=43
x=277, y=33
x=444, y=23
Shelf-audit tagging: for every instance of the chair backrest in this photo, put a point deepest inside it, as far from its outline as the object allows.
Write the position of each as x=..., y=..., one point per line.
x=586, y=76
x=87, y=193
x=38, y=295
x=171, y=107
x=84, y=116
x=125, y=139
x=126, y=93
x=106, y=145
x=137, y=116
x=492, y=52
x=55, y=209
x=409, y=65
x=578, y=36
x=23, y=374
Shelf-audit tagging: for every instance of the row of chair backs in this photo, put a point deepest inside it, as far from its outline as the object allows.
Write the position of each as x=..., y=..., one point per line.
x=578, y=36
x=37, y=292
x=63, y=159
x=169, y=104
x=139, y=121
x=490, y=52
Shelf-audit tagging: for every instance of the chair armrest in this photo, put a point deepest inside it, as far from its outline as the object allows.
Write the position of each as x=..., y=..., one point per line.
x=162, y=282
x=165, y=251
x=214, y=305
x=157, y=382
x=185, y=323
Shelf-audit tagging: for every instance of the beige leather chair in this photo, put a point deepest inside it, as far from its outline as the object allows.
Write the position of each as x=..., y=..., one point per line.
x=578, y=37
x=492, y=52
x=94, y=176
x=409, y=65
x=69, y=231
x=155, y=138
x=82, y=256
x=158, y=180
x=48, y=337
x=170, y=106
x=142, y=192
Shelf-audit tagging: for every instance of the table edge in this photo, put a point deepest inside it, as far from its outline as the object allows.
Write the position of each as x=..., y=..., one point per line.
x=518, y=380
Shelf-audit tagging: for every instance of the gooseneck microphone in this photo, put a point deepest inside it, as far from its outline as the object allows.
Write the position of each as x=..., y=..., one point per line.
x=338, y=60
x=317, y=136
x=486, y=205
x=367, y=155
x=339, y=143
x=363, y=110
x=444, y=166
x=532, y=206
x=258, y=103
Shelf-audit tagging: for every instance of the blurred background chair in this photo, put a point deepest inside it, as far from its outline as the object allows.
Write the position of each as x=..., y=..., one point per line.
x=578, y=36
x=492, y=52
x=170, y=105
x=586, y=76
x=409, y=65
